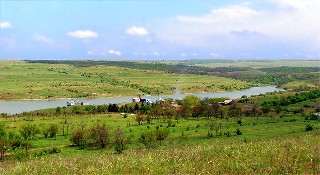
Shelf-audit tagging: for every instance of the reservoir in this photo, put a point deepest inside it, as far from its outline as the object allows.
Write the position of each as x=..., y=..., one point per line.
x=19, y=106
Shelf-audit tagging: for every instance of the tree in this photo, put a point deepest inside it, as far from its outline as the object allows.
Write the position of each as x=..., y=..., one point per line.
x=76, y=110
x=91, y=109
x=198, y=111
x=50, y=131
x=100, y=134
x=58, y=110
x=147, y=138
x=189, y=102
x=120, y=142
x=139, y=118
x=2, y=131
x=136, y=107
x=78, y=137
x=4, y=145
x=161, y=134
x=29, y=131
x=113, y=108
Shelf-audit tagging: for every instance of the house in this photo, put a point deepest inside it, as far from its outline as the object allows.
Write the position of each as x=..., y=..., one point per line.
x=176, y=106
x=148, y=100
x=71, y=103
x=137, y=100
x=226, y=102
x=84, y=103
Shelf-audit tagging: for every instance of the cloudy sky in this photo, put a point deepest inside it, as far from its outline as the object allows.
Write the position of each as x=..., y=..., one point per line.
x=160, y=29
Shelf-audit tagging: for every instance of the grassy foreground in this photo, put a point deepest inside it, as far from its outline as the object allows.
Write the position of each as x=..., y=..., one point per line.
x=295, y=154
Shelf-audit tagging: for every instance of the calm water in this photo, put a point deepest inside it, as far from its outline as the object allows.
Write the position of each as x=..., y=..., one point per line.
x=18, y=106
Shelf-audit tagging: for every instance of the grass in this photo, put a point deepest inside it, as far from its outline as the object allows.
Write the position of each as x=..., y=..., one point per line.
x=294, y=154
x=21, y=80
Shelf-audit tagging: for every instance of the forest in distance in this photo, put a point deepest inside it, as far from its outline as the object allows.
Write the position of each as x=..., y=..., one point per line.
x=273, y=133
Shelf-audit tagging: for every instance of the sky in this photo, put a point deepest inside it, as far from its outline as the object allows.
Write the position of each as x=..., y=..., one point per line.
x=160, y=29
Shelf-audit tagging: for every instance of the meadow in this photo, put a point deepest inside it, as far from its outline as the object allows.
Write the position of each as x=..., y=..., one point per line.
x=266, y=146
x=21, y=80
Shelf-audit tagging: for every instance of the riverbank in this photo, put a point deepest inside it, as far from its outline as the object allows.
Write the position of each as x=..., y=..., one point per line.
x=19, y=106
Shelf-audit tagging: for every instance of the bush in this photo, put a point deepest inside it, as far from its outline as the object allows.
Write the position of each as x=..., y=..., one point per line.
x=4, y=144
x=228, y=134
x=78, y=137
x=161, y=134
x=309, y=127
x=2, y=131
x=147, y=138
x=120, y=142
x=100, y=134
x=29, y=131
x=19, y=155
x=238, y=132
x=314, y=117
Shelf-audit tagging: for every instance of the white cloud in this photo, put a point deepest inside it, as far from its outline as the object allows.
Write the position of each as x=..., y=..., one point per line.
x=155, y=53
x=234, y=12
x=90, y=52
x=4, y=25
x=215, y=54
x=113, y=52
x=289, y=23
x=137, y=31
x=43, y=39
x=83, y=34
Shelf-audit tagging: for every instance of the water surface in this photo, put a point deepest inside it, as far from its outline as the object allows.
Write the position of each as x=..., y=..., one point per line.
x=18, y=106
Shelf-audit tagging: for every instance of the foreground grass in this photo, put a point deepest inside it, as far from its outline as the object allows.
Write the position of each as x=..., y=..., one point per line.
x=295, y=154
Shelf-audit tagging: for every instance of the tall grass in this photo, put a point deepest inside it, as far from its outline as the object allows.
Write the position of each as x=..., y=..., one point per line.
x=299, y=154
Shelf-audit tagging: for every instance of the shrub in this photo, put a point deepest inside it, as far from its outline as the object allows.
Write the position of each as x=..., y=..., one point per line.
x=19, y=155
x=147, y=138
x=51, y=131
x=78, y=137
x=4, y=144
x=228, y=134
x=309, y=127
x=2, y=131
x=100, y=134
x=29, y=131
x=238, y=132
x=161, y=134
x=120, y=142
x=314, y=117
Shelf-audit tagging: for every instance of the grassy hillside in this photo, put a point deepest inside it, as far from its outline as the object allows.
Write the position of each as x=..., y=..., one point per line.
x=289, y=155
x=21, y=80
x=263, y=148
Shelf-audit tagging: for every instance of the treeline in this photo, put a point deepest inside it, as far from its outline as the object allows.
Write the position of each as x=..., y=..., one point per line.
x=292, y=99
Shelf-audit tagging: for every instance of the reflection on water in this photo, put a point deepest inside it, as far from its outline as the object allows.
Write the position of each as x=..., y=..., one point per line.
x=18, y=106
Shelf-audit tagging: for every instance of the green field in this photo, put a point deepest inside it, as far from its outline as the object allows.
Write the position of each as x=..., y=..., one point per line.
x=21, y=80
x=276, y=146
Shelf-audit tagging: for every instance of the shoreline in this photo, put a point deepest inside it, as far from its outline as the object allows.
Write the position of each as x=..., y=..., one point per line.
x=119, y=96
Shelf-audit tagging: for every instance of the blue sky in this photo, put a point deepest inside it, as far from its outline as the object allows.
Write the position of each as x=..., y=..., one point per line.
x=160, y=29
